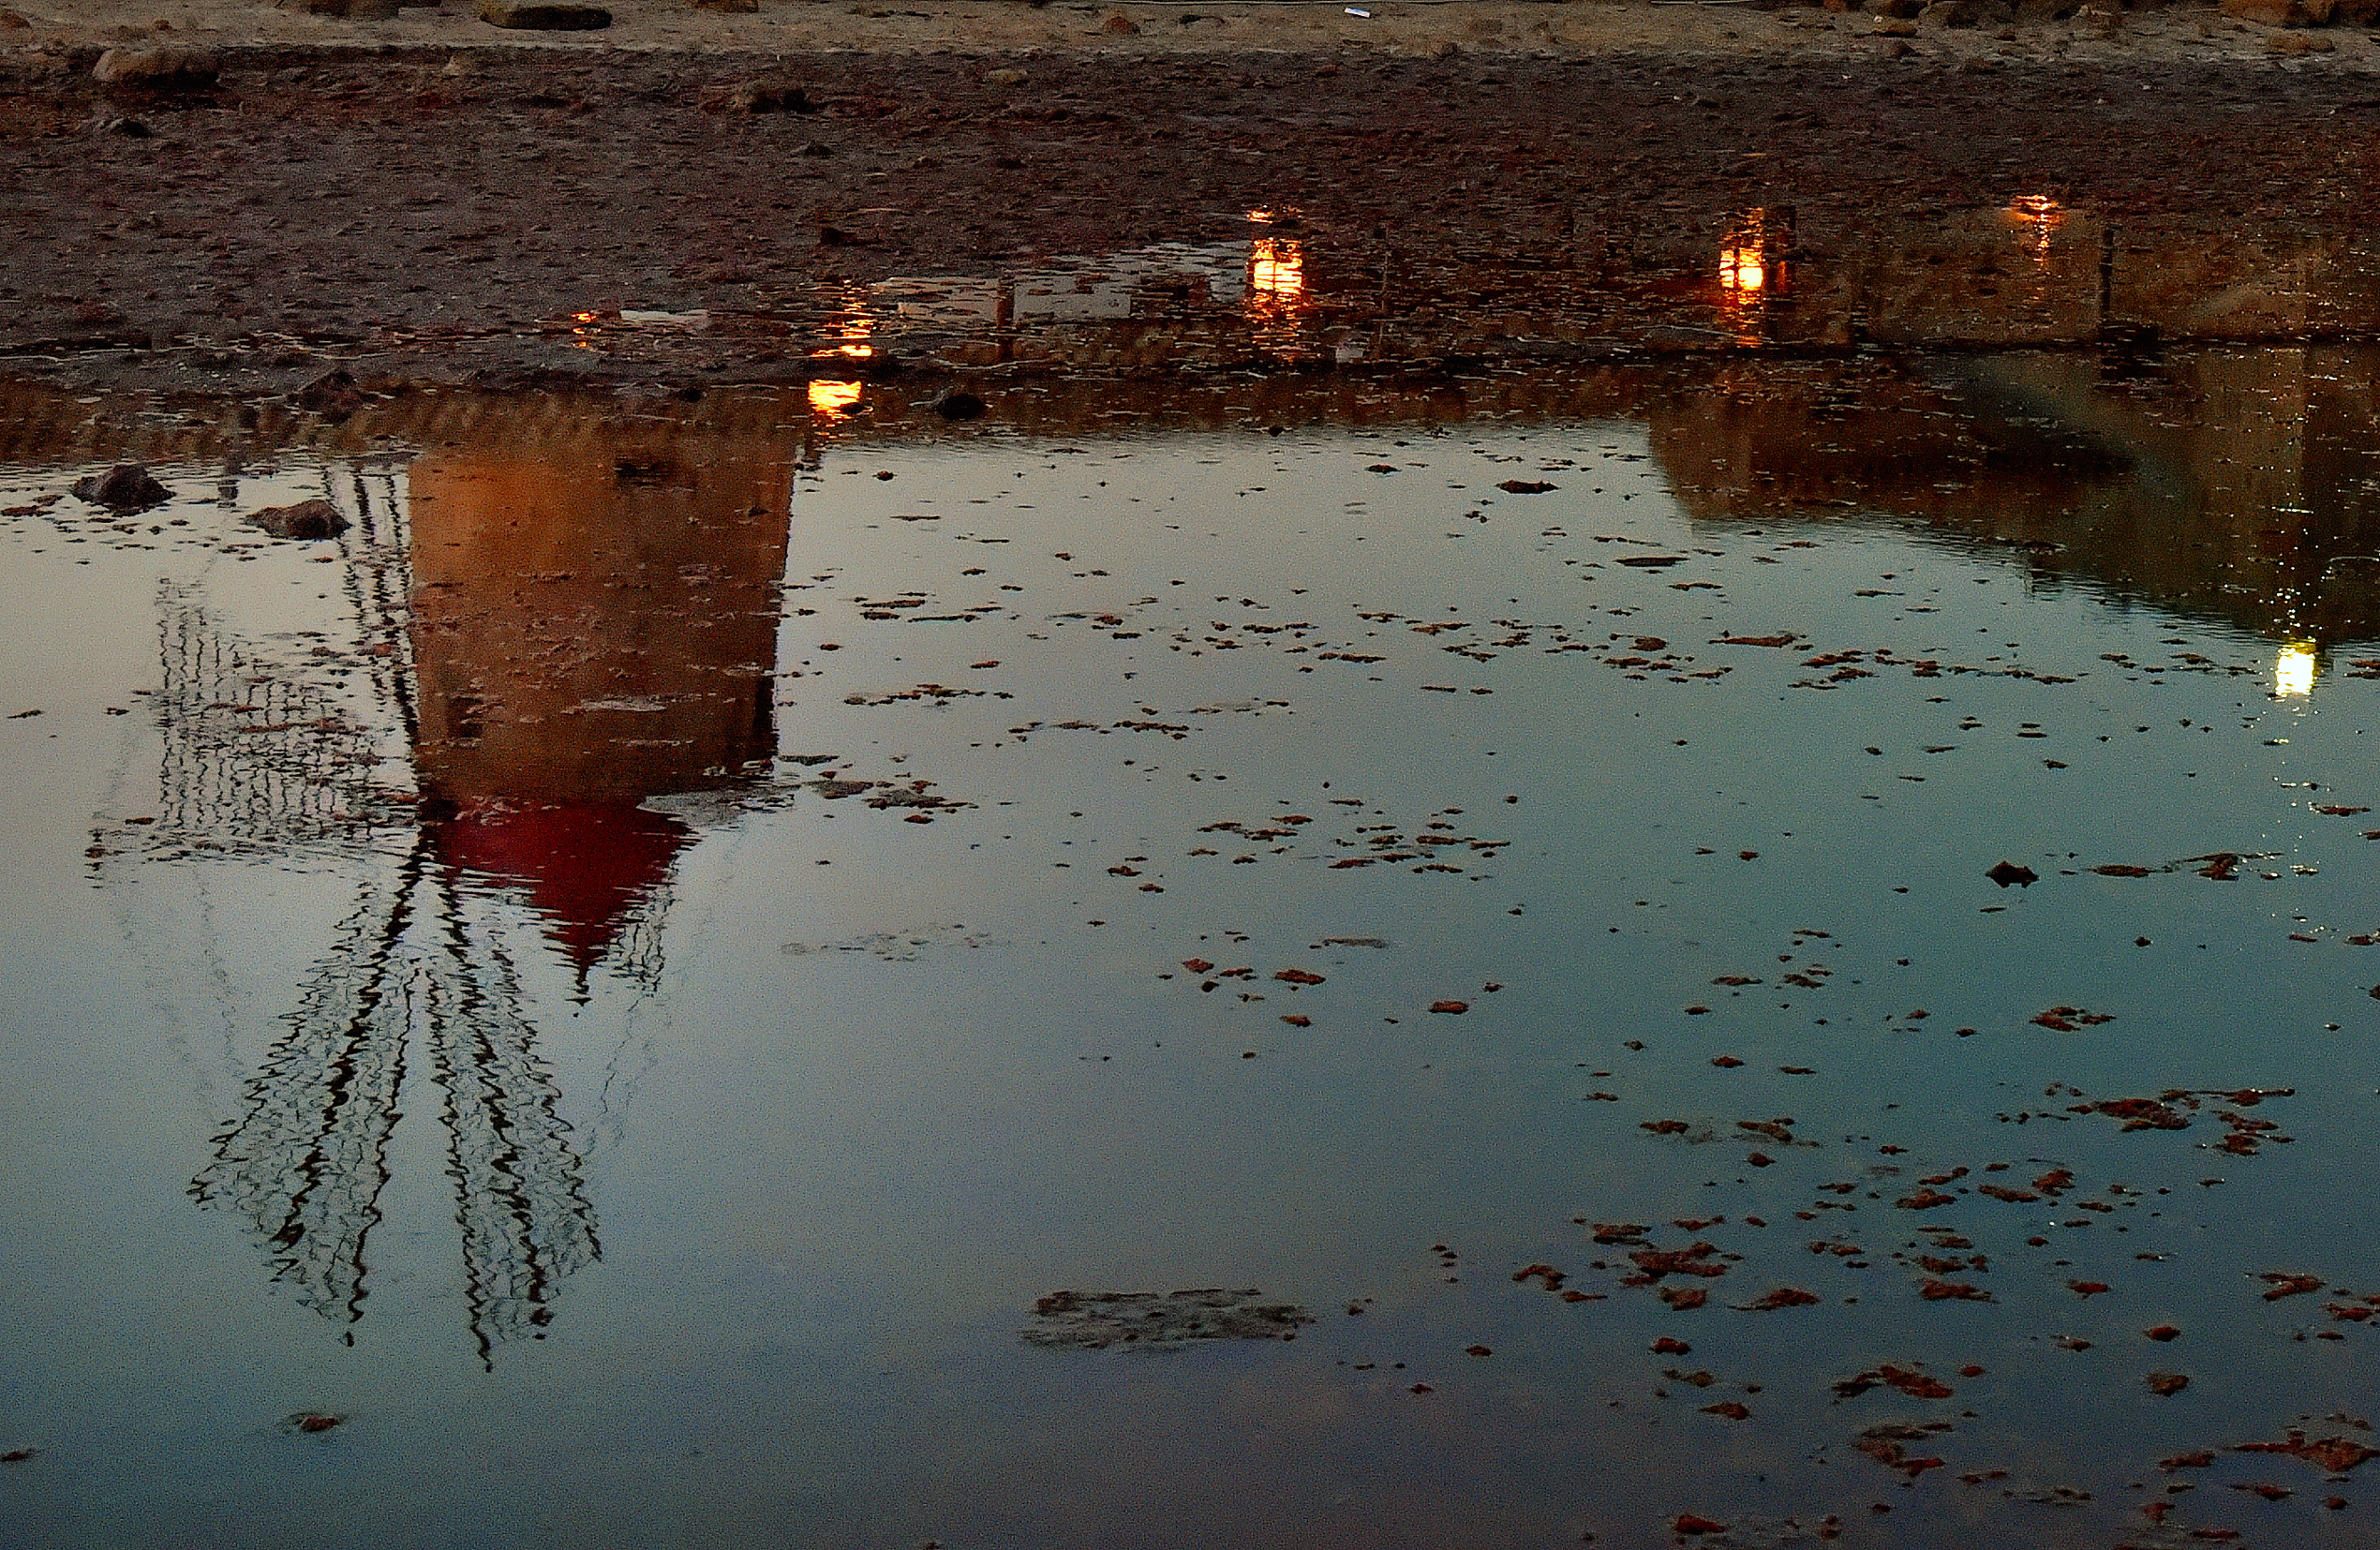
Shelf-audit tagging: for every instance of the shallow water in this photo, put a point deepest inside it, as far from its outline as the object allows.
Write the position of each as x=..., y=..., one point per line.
x=626, y=975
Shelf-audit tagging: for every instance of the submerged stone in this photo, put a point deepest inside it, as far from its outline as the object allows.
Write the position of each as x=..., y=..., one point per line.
x=307, y=519
x=1094, y=1320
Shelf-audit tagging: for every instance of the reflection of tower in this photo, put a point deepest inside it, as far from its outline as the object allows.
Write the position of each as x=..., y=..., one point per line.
x=592, y=623
x=307, y=1158
x=254, y=755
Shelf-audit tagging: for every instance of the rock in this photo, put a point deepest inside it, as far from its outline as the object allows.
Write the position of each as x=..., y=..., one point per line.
x=540, y=16
x=127, y=488
x=11, y=22
x=307, y=520
x=2101, y=20
x=1947, y=13
x=2009, y=874
x=1120, y=24
x=360, y=10
x=1901, y=8
x=2299, y=43
x=957, y=404
x=1007, y=77
x=1895, y=26
x=766, y=97
x=2046, y=10
x=332, y=396
x=169, y=67
x=740, y=7
x=2281, y=13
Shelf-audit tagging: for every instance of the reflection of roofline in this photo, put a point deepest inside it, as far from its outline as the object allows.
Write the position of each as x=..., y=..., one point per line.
x=584, y=867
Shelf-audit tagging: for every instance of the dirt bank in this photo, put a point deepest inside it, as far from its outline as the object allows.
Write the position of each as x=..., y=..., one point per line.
x=432, y=196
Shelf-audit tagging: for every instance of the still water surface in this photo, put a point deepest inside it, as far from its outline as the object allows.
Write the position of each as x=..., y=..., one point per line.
x=625, y=976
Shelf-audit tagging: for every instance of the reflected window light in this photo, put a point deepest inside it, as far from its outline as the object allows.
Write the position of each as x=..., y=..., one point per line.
x=848, y=327
x=854, y=342
x=833, y=397
x=1276, y=268
x=2293, y=673
x=2042, y=216
x=1748, y=276
x=1276, y=301
x=1742, y=259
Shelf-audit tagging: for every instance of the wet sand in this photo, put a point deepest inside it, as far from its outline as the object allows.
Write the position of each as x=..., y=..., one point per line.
x=434, y=196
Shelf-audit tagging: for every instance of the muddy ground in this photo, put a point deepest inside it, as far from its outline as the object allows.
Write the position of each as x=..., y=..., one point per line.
x=433, y=197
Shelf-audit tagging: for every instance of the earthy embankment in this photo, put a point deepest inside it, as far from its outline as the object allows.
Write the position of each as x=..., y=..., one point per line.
x=437, y=196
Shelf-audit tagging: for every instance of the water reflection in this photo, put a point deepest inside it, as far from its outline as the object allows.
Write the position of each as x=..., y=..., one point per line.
x=2293, y=671
x=1751, y=273
x=572, y=607
x=566, y=623
x=2039, y=216
x=829, y=397
x=410, y=980
x=1146, y=304
x=1276, y=300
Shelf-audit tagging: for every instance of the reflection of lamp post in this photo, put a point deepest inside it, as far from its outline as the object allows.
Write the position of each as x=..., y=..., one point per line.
x=1275, y=299
x=2040, y=215
x=1751, y=270
x=2292, y=670
x=829, y=397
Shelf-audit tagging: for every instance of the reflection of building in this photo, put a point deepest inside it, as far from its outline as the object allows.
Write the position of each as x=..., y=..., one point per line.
x=1168, y=305
x=2241, y=485
x=592, y=623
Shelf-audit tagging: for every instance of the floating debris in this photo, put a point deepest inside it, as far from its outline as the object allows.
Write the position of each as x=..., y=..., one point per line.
x=1095, y=1320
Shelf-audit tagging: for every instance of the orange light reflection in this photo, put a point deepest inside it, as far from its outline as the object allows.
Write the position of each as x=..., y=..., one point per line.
x=1275, y=301
x=1276, y=269
x=833, y=397
x=1747, y=276
x=2041, y=213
